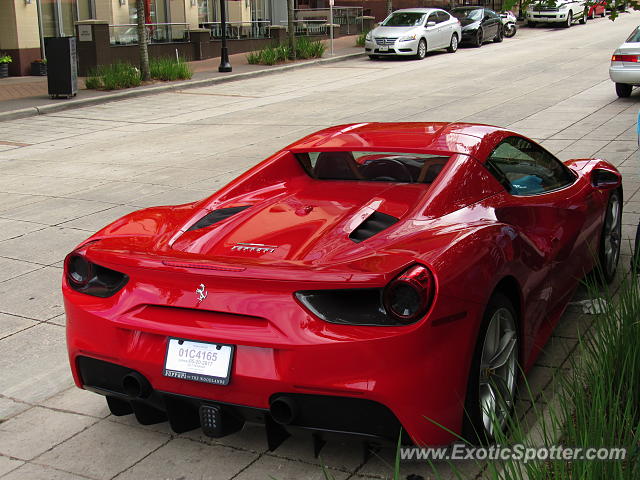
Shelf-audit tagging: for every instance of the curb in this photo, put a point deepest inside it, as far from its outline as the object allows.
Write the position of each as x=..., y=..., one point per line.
x=85, y=102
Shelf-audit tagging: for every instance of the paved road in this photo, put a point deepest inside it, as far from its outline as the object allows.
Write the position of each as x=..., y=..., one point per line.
x=63, y=176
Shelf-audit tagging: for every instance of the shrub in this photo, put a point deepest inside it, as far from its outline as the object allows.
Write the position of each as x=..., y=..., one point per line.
x=305, y=48
x=169, y=68
x=113, y=77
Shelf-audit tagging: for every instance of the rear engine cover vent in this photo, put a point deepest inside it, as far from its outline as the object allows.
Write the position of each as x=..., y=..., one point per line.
x=375, y=223
x=216, y=216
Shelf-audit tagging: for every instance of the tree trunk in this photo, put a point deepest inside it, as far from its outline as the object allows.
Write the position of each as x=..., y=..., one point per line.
x=389, y=6
x=291, y=28
x=142, y=41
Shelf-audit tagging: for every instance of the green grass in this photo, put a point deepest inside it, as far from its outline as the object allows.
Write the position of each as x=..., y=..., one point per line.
x=169, y=68
x=124, y=75
x=113, y=77
x=271, y=55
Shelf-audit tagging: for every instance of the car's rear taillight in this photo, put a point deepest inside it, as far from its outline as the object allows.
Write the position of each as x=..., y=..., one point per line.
x=408, y=297
x=624, y=58
x=87, y=277
x=405, y=300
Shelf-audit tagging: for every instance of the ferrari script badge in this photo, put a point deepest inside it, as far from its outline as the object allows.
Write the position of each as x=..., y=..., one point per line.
x=202, y=292
x=254, y=247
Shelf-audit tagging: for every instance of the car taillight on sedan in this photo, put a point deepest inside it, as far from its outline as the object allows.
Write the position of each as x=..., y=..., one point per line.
x=405, y=300
x=87, y=277
x=624, y=58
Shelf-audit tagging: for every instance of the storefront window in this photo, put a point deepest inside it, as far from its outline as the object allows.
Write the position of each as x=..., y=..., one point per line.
x=59, y=16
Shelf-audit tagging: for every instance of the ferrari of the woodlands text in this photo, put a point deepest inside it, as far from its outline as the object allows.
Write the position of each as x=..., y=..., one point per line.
x=370, y=278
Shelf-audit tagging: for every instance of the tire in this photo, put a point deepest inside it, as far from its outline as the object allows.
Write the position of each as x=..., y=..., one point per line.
x=603, y=14
x=477, y=41
x=569, y=21
x=422, y=49
x=610, y=239
x=635, y=259
x=499, y=36
x=453, y=44
x=531, y=24
x=373, y=57
x=510, y=30
x=592, y=14
x=477, y=426
x=583, y=19
x=623, y=90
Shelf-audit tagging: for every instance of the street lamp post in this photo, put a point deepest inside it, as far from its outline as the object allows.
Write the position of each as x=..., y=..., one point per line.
x=225, y=66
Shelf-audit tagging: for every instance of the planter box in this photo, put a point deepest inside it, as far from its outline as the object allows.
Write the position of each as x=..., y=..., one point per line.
x=4, y=70
x=38, y=69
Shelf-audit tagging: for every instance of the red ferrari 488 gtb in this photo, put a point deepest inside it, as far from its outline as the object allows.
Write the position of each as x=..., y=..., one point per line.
x=370, y=278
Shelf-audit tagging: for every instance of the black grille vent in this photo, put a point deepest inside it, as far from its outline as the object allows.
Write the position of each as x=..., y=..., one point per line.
x=375, y=223
x=216, y=216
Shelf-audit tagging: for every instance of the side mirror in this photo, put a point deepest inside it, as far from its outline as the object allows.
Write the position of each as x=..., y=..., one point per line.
x=605, y=179
x=431, y=24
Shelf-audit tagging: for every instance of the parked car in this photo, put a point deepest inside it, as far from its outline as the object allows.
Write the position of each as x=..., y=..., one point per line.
x=564, y=12
x=624, y=70
x=479, y=25
x=413, y=32
x=599, y=8
x=365, y=278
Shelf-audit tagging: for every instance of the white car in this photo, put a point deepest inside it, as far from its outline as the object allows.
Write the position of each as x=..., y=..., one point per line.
x=413, y=32
x=625, y=66
x=564, y=12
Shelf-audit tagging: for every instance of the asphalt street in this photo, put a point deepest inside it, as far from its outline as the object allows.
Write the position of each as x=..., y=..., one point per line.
x=65, y=175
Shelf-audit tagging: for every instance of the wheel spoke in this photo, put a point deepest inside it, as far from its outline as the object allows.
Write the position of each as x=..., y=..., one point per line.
x=505, y=351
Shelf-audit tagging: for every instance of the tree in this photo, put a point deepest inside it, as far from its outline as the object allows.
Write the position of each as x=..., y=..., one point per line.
x=291, y=29
x=389, y=6
x=142, y=41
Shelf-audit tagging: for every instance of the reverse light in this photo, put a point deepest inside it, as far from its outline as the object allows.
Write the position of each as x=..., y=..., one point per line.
x=408, y=297
x=87, y=277
x=624, y=58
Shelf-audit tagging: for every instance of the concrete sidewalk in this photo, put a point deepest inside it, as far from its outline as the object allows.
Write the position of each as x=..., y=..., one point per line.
x=27, y=96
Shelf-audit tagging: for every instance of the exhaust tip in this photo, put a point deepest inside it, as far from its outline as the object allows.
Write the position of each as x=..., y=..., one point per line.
x=283, y=410
x=135, y=385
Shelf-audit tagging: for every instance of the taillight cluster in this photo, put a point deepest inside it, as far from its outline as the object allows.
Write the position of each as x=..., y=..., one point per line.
x=405, y=300
x=624, y=58
x=87, y=277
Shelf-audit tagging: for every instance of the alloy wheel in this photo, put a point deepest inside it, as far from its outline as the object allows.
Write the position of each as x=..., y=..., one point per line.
x=453, y=46
x=497, y=379
x=422, y=49
x=612, y=234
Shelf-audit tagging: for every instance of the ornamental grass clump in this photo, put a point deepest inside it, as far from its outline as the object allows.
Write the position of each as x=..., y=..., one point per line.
x=113, y=77
x=169, y=68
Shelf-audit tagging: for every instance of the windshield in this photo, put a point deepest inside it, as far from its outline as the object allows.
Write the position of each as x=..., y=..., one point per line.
x=472, y=14
x=404, y=19
x=635, y=36
x=373, y=166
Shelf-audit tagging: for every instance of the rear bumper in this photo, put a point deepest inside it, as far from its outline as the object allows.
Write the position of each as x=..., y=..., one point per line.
x=315, y=412
x=627, y=75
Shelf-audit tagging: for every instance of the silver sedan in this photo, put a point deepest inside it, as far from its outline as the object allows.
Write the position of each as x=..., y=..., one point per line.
x=413, y=32
x=625, y=65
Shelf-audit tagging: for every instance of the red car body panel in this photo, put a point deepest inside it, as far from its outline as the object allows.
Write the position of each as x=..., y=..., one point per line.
x=464, y=227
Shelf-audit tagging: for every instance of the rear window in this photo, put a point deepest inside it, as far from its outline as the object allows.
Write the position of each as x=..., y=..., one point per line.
x=634, y=37
x=373, y=166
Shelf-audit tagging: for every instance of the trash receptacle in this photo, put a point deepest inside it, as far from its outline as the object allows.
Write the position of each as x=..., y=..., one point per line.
x=62, y=66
